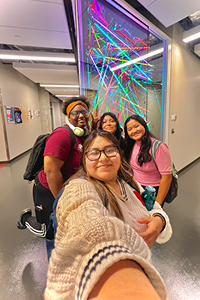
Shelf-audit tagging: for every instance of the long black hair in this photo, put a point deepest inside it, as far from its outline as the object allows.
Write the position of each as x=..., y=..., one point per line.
x=143, y=155
x=118, y=132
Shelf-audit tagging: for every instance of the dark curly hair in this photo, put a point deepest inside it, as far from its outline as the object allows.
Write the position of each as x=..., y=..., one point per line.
x=118, y=132
x=129, y=143
x=74, y=99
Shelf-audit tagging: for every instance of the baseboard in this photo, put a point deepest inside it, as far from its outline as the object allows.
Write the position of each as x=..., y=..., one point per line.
x=15, y=158
x=189, y=165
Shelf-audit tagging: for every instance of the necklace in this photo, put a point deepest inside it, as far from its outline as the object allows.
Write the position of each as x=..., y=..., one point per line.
x=122, y=197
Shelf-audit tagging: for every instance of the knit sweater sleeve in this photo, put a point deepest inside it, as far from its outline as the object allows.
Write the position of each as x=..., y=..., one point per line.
x=166, y=234
x=88, y=241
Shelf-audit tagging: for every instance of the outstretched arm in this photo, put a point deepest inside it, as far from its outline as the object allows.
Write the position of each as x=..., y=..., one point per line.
x=123, y=280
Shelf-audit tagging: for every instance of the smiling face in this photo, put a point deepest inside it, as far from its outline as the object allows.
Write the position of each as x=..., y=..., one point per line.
x=135, y=130
x=109, y=124
x=105, y=168
x=81, y=119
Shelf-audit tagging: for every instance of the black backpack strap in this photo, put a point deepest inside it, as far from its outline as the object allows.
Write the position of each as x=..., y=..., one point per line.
x=154, y=148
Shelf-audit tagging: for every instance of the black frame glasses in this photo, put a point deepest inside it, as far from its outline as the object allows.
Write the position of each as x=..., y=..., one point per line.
x=76, y=113
x=95, y=154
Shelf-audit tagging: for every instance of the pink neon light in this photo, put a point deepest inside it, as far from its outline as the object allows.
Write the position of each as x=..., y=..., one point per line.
x=125, y=37
x=142, y=42
x=93, y=8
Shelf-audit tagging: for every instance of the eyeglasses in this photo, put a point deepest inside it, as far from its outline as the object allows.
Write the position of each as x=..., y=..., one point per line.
x=76, y=113
x=95, y=154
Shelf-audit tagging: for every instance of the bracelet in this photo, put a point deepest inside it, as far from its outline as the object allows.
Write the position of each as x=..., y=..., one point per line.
x=161, y=216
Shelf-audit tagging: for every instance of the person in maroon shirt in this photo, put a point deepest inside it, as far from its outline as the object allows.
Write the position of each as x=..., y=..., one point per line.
x=60, y=162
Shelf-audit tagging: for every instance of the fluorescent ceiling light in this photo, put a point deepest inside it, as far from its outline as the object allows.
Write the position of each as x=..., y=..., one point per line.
x=145, y=56
x=67, y=96
x=59, y=85
x=36, y=56
x=192, y=37
x=191, y=34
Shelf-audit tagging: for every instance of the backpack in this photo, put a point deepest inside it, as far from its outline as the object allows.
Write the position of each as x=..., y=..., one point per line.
x=173, y=190
x=36, y=159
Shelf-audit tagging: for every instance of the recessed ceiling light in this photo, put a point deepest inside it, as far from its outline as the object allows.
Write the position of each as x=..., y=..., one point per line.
x=191, y=34
x=67, y=96
x=192, y=37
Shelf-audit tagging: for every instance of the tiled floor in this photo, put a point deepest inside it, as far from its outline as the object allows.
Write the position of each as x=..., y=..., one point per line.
x=23, y=260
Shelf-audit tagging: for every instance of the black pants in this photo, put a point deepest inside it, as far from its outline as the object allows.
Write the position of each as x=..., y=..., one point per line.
x=43, y=200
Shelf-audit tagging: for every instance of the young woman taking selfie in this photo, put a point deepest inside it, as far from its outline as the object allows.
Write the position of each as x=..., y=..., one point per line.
x=104, y=231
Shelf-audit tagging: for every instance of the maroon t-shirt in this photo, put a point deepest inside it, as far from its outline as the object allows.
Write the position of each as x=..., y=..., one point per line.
x=58, y=144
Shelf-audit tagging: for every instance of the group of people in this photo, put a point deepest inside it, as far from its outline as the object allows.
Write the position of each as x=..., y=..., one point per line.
x=137, y=147
x=104, y=230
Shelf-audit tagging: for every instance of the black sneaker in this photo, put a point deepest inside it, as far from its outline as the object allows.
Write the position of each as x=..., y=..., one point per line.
x=27, y=221
x=25, y=214
x=36, y=228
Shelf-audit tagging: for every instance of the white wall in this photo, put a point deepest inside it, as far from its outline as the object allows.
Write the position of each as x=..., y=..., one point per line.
x=184, y=144
x=44, y=104
x=56, y=112
x=19, y=91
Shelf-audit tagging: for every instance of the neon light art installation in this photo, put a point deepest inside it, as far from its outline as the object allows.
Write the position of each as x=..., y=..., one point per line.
x=108, y=39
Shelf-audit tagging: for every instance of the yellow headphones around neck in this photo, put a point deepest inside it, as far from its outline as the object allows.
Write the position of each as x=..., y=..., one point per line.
x=77, y=130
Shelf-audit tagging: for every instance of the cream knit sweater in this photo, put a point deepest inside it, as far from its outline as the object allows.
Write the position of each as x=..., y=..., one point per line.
x=89, y=240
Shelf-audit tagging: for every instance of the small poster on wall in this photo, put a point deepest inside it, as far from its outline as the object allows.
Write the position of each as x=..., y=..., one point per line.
x=32, y=113
x=17, y=115
x=10, y=114
x=24, y=115
x=29, y=113
x=37, y=113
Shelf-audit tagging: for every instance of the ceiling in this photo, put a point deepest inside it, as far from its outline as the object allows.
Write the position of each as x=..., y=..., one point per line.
x=51, y=74
x=39, y=25
x=169, y=12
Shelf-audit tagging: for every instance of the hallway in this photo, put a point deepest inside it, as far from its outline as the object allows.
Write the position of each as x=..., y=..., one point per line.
x=23, y=260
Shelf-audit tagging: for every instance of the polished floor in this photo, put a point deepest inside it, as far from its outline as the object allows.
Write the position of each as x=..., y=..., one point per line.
x=23, y=259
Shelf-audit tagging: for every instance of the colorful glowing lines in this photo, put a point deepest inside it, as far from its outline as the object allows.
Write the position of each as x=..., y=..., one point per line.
x=95, y=11
x=120, y=50
x=119, y=77
x=139, y=58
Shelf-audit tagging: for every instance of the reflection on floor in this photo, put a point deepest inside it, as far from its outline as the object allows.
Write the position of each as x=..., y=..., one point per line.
x=23, y=259
x=178, y=261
